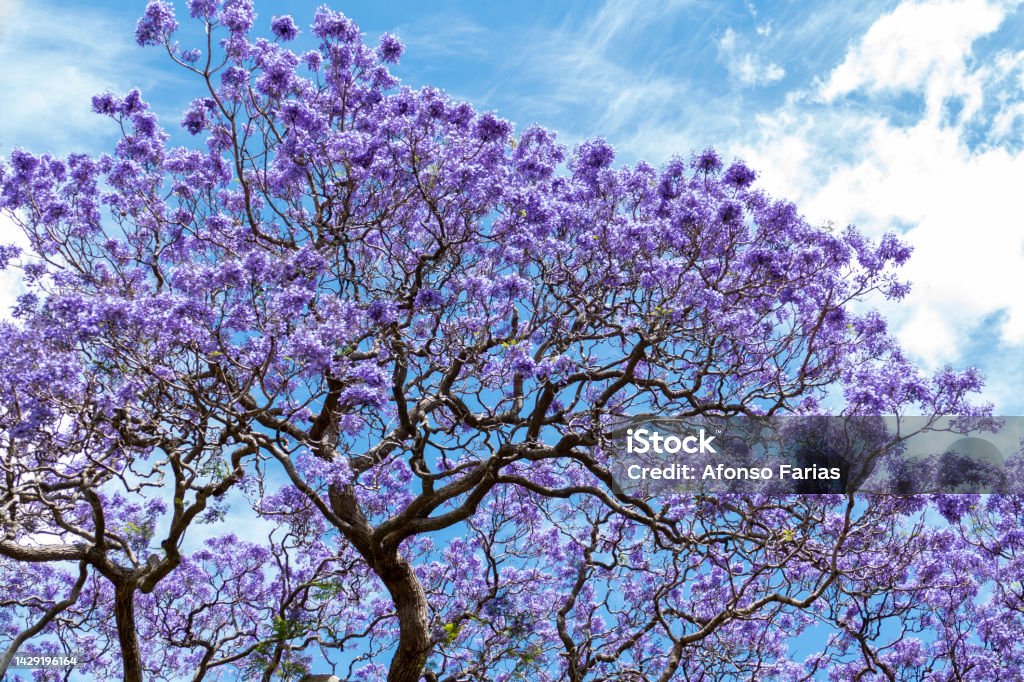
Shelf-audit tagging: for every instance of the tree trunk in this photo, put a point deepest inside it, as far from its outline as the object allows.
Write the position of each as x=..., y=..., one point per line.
x=414, y=641
x=124, y=616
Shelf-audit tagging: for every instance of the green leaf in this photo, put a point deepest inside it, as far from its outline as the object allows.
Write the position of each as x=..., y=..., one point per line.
x=451, y=632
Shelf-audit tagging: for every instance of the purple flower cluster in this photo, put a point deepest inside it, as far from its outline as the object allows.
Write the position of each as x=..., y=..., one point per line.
x=157, y=24
x=284, y=28
x=390, y=49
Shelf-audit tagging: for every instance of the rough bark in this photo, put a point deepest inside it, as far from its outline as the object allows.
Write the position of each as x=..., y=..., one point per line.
x=398, y=576
x=410, y=602
x=124, y=616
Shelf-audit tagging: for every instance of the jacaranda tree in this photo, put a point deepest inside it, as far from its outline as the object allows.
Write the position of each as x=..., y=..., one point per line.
x=401, y=330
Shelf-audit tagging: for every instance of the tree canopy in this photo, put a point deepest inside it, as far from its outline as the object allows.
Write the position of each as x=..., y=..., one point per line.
x=401, y=330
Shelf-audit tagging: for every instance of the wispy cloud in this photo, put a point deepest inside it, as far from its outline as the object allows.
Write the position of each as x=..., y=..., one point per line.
x=618, y=73
x=611, y=70
x=52, y=60
x=745, y=66
x=592, y=61
x=446, y=34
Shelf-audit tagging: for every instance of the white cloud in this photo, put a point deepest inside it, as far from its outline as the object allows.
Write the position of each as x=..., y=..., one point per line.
x=744, y=66
x=967, y=229
x=918, y=47
x=751, y=70
x=955, y=200
x=10, y=279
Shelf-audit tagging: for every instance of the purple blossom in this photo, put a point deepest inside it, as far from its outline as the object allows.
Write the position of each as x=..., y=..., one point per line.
x=8, y=253
x=522, y=364
x=234, y=77
x=427, y=299
x=202, y=9
x=238, y=16
x=739, y=176
x=156, y=24
x=595, y=155
x=313, y=60
x=299, y=116
x=284, y=28
x=382, y=312
x=708, y=161
x=105, y=104
x=328, y=23
x=729, y=213
x=133, y=103
x=490, y=128
x=195, y=118
x=390, y=49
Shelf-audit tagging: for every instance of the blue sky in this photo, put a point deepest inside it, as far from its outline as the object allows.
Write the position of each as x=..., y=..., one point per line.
x=890, y=115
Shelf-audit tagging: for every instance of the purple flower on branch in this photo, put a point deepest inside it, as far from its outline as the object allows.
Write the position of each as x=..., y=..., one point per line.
x=284, y=28
x=157, y=23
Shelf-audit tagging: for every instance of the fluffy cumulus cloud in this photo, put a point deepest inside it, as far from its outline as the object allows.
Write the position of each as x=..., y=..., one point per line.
x=917, y=130
x=917, y=46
